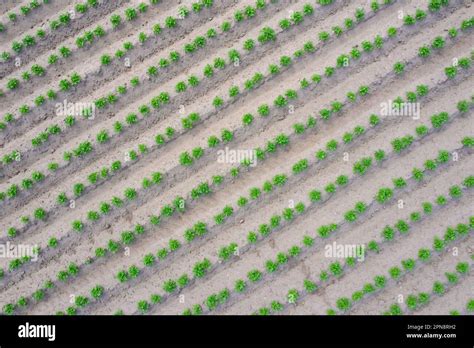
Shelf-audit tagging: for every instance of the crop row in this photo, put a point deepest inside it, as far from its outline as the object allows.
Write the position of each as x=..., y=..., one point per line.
x=389, y=235
x=415, y=302
x=65, y=20
x=24, y=11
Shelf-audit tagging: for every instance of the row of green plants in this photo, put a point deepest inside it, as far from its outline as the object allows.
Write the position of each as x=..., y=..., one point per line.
x=414, y=302
x=336, y=270
x=64, y=20
x=25, y=11
x=80, y=301
x=424, y=255
x=247, y=13
x=92, y=36
x=282, y=258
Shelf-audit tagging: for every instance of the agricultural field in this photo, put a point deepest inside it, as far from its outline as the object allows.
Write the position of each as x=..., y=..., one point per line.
x=237, y=157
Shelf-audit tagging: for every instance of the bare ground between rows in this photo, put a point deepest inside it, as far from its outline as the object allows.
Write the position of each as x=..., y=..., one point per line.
x=8, y=5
